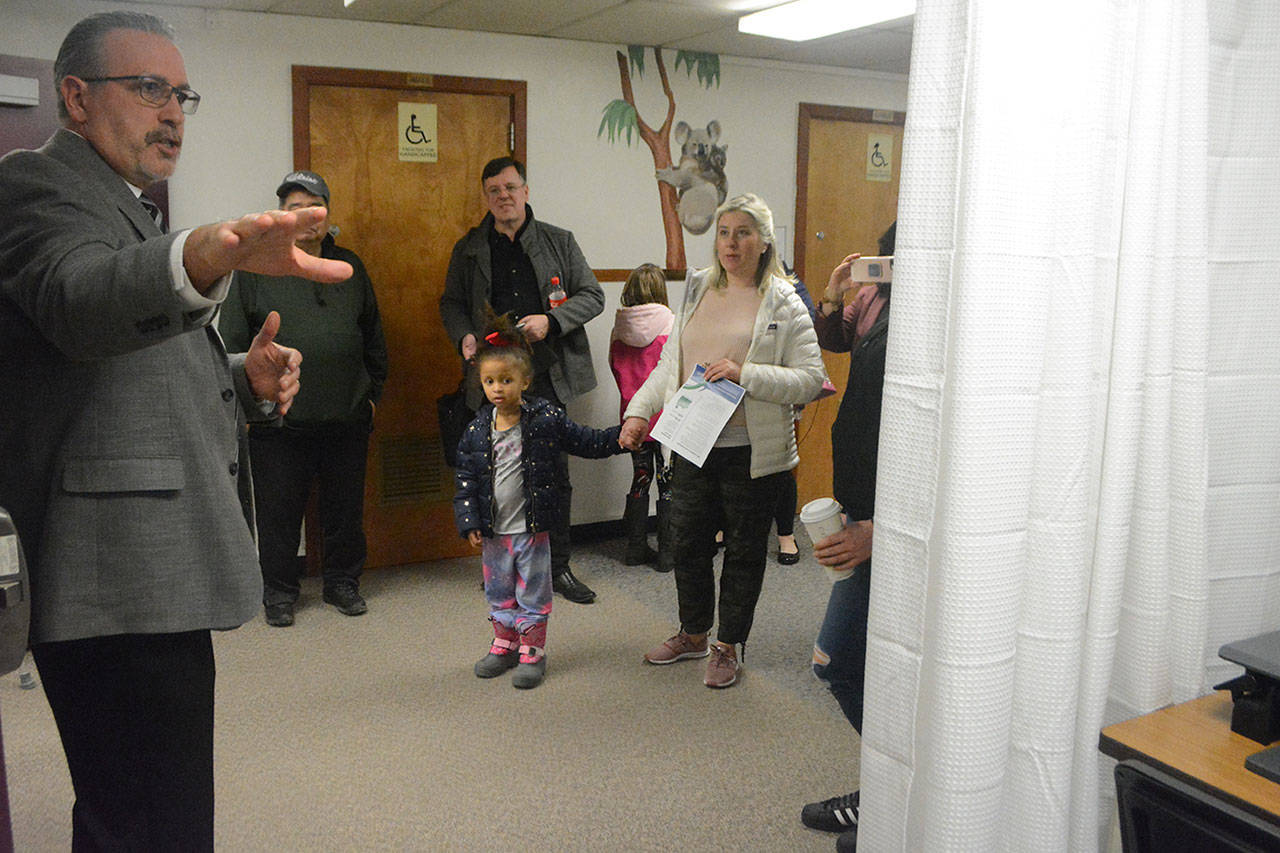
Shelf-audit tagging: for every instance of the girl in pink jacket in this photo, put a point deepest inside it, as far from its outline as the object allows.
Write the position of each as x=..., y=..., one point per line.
x=640, y=328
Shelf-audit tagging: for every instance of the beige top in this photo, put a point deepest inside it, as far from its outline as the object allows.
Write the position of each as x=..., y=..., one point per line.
x=783, y=369
x=721, y=327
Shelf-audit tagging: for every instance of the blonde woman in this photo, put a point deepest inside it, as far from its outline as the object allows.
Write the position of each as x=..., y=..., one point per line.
x=742, y=320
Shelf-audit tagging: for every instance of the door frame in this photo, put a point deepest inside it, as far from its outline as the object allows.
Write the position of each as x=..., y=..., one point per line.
x=306, y=76
x=807, y=113
x=814, y=467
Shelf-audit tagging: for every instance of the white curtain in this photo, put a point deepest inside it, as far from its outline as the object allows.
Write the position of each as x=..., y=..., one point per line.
x=1080, y=445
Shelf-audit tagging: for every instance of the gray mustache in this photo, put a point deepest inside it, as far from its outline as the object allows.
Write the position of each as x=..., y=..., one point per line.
x=161, y=136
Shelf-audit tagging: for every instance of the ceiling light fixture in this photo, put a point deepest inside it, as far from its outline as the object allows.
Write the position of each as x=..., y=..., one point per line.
x=346, y=3
x=801, y=20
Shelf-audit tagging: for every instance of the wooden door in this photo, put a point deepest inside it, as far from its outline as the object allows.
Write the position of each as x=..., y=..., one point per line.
x=402, y=219
x=840, y=209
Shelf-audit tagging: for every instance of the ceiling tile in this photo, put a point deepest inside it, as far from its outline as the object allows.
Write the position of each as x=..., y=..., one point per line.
x=644, y=22
x=527, y=17
x=727, y=41
x=390, y=11
x=240, y=5
x=902, y=25
x=733, y=8
x=704, y=25
x=868, y=49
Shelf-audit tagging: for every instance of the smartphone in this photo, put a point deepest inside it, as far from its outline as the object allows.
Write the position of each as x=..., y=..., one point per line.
x=878, y=268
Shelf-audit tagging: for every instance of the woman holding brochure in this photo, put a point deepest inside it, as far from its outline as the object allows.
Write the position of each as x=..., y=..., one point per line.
x=740, y=321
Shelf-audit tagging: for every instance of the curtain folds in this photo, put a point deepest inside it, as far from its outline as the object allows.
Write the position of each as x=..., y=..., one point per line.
x=1045, y=502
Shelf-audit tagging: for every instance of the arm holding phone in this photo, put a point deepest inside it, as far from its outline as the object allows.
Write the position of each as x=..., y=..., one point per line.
x=838, y=284
x=838, y=325
x=855, y=270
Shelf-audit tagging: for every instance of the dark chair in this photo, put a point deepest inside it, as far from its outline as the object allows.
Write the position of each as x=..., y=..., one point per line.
x=1161, y=814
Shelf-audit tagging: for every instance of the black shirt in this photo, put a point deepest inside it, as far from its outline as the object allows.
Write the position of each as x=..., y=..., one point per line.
x=515, y=289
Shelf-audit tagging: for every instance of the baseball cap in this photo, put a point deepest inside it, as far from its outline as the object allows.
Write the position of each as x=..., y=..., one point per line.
x=308, y=181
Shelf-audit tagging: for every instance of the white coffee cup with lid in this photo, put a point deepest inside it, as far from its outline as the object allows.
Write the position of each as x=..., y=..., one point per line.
x=821, y=519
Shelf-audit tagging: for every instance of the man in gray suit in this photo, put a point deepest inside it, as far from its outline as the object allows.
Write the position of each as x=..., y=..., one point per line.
x=122, y=445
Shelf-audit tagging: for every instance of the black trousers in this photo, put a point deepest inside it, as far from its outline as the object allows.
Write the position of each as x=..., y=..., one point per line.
x=285, y=463
x=645, y=465
x=785, y=512
x=722, y=491
x=135, y=713
x=561, y=546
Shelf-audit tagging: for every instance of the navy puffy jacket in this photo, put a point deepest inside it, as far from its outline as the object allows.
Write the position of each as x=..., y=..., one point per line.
x=546, y=432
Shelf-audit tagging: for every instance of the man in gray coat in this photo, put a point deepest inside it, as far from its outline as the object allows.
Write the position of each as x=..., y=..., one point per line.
x=123, y=443
x=535, y=271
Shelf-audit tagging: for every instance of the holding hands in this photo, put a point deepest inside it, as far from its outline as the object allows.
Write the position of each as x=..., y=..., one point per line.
x=635, y=430
x=633, y=433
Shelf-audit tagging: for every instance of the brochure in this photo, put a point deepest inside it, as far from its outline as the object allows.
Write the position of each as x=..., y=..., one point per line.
x=692, y=419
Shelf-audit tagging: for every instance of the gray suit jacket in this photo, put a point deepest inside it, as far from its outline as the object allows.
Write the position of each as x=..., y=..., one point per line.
x=122, y=448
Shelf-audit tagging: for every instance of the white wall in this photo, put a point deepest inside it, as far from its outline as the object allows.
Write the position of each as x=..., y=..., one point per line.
x=240, y=142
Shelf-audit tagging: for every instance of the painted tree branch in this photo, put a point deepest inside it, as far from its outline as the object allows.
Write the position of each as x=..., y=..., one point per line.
x=659, y=142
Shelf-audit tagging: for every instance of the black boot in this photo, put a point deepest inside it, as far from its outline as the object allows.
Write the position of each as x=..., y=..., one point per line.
x=635, y=522
x=665, y=561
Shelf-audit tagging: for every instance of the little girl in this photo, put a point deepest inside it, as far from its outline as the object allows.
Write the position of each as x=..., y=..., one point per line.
x=640, y=328
x=506, y=499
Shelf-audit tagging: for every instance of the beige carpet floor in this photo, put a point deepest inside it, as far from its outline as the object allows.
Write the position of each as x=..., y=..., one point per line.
x=372, y=733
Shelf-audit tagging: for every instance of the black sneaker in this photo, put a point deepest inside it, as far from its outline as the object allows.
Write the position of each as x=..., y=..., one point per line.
x=345, y=597
x=847, y=841
x=280, y=615
x=837, y=814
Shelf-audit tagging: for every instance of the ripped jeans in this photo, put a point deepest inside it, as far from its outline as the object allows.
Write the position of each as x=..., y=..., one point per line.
x=840, y=652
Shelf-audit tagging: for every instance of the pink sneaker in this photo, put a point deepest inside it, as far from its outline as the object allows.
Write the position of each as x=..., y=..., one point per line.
x=722, y=669
x=679, y=647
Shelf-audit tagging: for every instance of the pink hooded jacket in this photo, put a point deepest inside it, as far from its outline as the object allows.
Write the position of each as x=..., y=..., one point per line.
x=635, y=345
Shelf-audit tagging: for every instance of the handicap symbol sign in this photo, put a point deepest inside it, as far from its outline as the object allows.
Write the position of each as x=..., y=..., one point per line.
x=413, y=133
x=417, y=139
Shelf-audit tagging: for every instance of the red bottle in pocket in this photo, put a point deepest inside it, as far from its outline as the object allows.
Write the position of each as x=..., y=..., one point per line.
x=557, y=295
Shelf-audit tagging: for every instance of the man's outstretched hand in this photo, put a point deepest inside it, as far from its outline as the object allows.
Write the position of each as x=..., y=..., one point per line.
x=274, y=371
x=258, y=242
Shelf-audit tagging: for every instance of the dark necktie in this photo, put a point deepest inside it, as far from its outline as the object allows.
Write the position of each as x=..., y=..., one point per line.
x=154, y=211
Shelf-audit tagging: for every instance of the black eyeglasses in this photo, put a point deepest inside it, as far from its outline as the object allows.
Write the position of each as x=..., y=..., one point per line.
x=154, y=91
x=497, y=190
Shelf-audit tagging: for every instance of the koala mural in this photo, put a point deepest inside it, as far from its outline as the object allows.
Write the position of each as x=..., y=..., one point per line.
x=699, y=177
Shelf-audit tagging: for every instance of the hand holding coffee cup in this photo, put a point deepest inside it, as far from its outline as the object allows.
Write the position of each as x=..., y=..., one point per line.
x=822, y=519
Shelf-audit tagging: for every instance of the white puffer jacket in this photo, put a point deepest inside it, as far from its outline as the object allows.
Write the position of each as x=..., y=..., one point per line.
x=783, y=368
